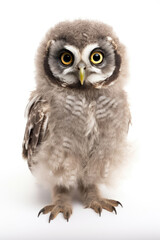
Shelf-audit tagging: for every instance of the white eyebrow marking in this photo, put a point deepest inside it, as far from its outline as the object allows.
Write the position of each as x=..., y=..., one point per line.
x=87, y=50
x=75, y=51
x=77, y=57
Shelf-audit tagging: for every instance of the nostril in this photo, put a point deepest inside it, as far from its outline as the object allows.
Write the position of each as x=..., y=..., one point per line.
x=81, y=65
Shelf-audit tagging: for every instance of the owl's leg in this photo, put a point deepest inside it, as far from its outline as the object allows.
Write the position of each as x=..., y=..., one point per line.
x=92, y=199
x=61, y=204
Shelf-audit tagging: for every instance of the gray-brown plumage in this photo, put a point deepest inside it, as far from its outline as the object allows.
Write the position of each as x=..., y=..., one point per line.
x=78, y=116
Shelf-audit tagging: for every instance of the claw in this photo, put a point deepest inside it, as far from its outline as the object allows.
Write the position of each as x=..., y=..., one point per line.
x=99, y=211
x=41, y=211
x=67, y=216
x=107, y=204
x=120, y=204
x=114, y=210
x=50, y=217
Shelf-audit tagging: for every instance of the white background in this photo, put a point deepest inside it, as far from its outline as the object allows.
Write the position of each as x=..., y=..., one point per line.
x=22, y=26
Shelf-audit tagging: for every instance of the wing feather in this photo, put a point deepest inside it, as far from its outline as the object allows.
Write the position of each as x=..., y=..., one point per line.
x=36, y=127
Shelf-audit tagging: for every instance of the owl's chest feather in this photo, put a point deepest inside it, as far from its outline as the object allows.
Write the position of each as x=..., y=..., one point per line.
x=82, y=113
x=85, y=120
x=82, y=132
x=90, y=112
x=80, y=125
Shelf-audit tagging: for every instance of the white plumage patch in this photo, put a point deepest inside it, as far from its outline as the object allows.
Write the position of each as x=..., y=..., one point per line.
x=75, y=51
x=96, y=75
x=93, y=74
x=87, y=51
x=91, y=123
x=77, y=57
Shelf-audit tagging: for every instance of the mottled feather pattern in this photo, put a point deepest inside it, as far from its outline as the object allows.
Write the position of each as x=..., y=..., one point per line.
x=78, y=116
x=79, y=139
x=36, y=125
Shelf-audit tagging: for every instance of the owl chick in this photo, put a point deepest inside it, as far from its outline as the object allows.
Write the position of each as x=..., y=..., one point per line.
x=78, y=116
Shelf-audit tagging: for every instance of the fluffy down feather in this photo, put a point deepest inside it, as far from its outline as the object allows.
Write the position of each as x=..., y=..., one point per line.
x=77, y=136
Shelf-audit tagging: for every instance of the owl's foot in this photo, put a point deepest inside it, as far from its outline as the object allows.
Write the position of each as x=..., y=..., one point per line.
x=107, y=204
x=56, y=209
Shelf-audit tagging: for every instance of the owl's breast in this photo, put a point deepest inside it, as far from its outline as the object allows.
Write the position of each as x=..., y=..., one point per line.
x=83, y=135
x=91, y=115
x=86, y=122
x=82, y=115
x=86, y=128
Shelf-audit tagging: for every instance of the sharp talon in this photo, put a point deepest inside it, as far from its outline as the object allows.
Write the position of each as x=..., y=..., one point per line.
x=120, y=204
x=99, y=211
x=114, y=210
x=50, y=217
x=67, y=216
x=41, y=211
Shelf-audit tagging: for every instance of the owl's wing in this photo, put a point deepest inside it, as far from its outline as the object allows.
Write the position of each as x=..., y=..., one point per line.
x=37, y=112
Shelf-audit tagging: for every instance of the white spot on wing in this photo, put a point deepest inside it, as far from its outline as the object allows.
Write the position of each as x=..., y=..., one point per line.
x=45, y=124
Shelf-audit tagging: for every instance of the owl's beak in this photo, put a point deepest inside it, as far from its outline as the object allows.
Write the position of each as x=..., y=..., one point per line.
x=81, y=75
x=81, y=68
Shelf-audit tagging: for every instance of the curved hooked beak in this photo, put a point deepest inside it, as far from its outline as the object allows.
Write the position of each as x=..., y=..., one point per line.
x=81, y=68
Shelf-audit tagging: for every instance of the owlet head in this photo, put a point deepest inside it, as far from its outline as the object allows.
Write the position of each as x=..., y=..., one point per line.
x=80, y=54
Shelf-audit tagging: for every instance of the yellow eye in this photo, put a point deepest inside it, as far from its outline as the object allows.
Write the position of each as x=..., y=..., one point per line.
x=66, y=58
x=96, y=57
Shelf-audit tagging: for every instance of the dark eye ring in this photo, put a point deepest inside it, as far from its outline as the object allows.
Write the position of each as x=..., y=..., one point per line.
x=66, y=58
